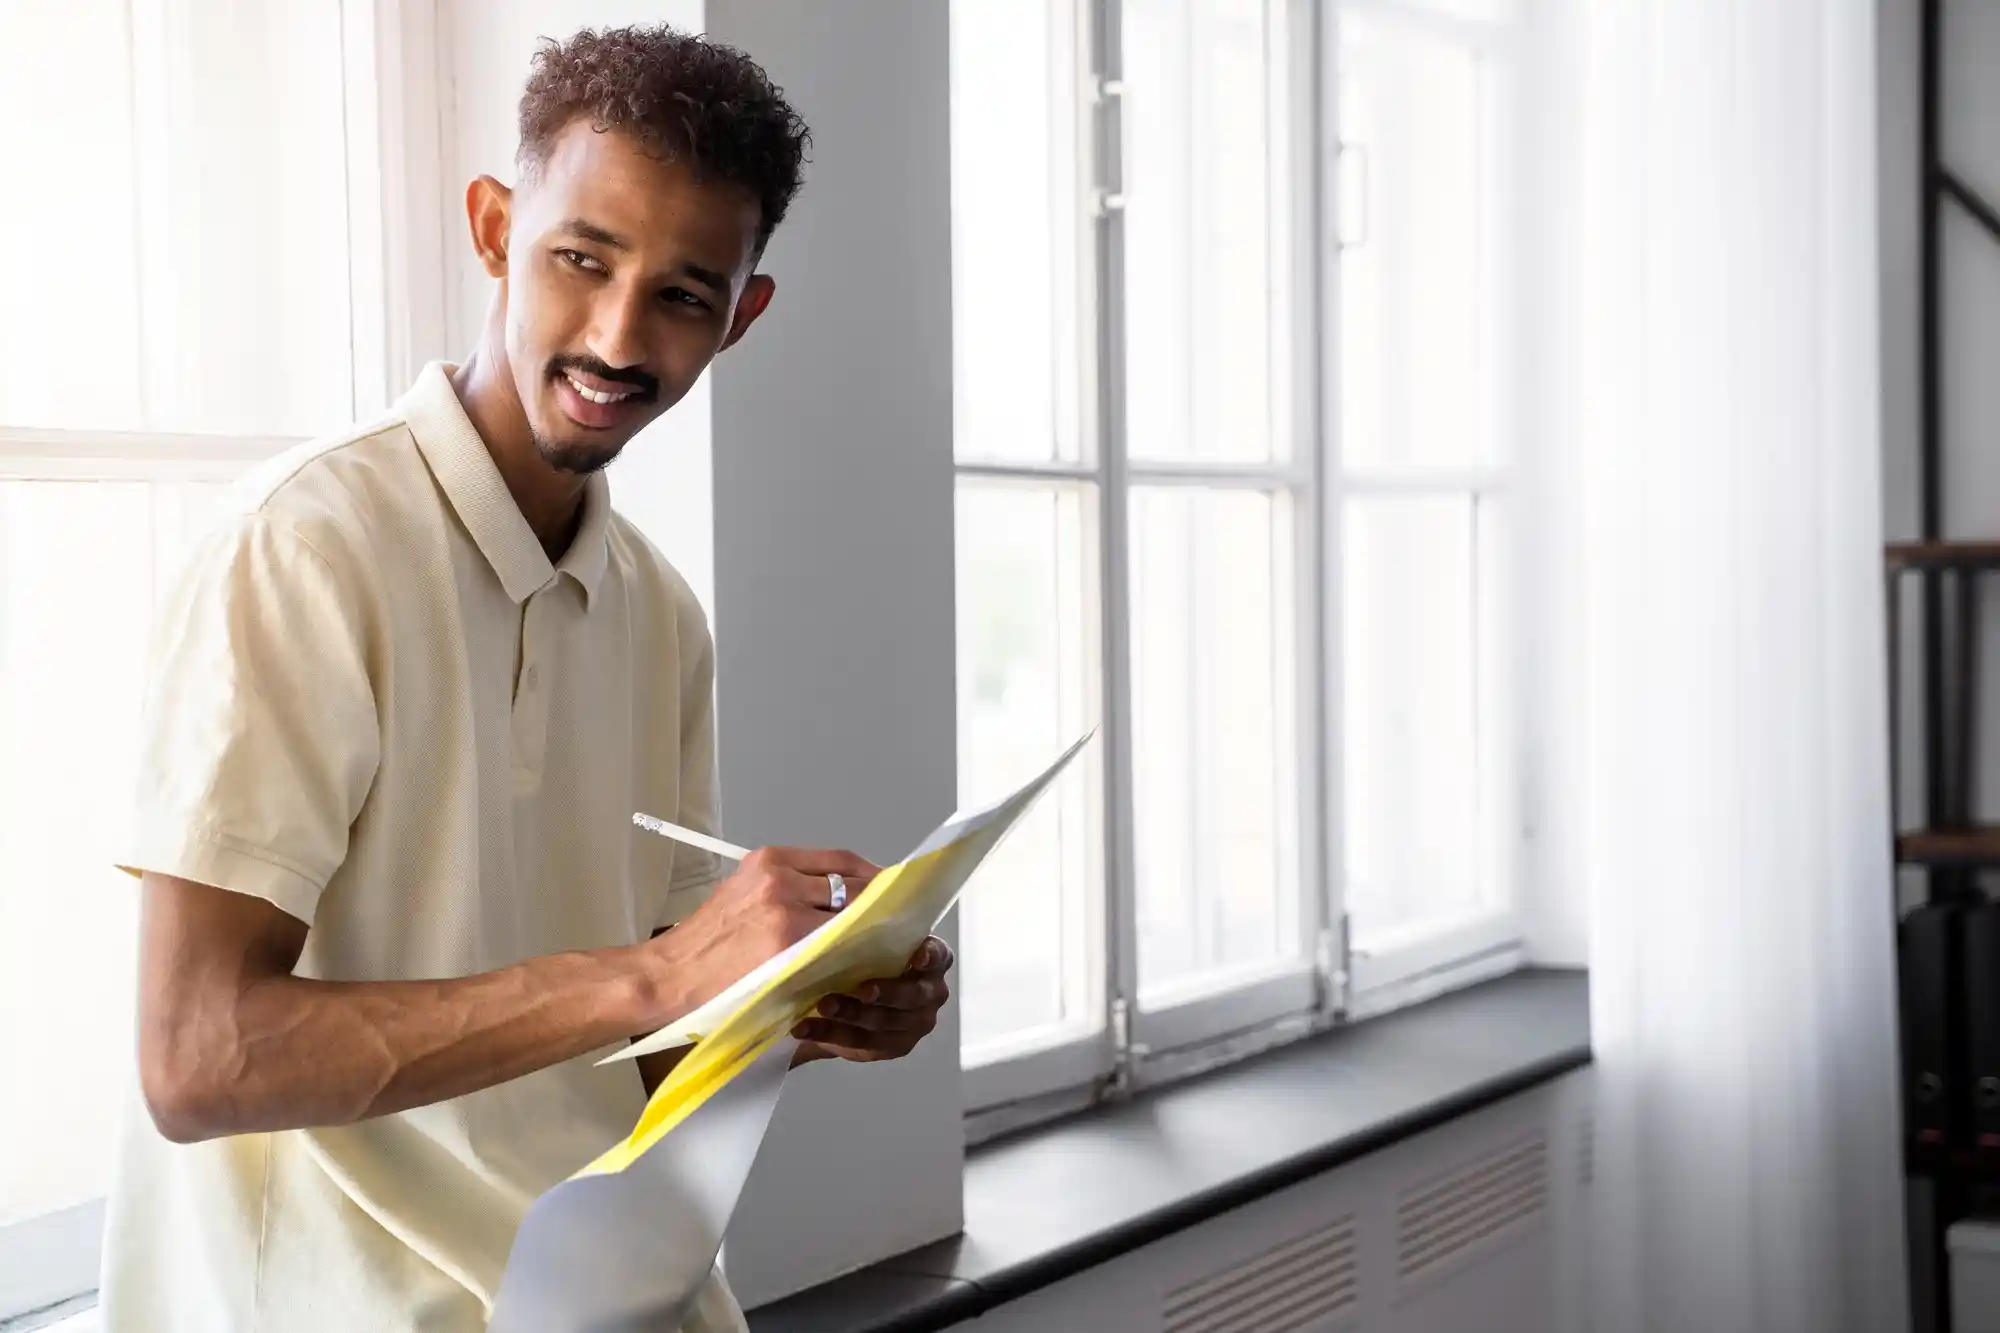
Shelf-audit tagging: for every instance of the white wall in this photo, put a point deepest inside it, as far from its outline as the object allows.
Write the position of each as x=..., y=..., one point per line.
x=1547, y=223
x=662, y=482
x=833, y=530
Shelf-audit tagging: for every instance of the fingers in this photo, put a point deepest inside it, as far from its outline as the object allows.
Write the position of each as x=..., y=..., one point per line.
x=797, y=876
x=815, y=891
x=769, y=885
x=819, y=862
x=845, y=1043
x=884, y=1020
x=851, y=1041
x=901, y=1006
x=933, y=957
x=921, y=988
x=911, y=991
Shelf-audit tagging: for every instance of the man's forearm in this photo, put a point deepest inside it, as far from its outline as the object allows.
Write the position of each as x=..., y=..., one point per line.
x=231, y=1041
x=292, y=1052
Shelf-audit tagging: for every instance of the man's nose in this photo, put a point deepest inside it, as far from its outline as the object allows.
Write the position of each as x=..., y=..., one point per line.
x=616, y=331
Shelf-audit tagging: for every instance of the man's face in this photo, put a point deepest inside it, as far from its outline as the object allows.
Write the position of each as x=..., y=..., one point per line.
x=624, y=277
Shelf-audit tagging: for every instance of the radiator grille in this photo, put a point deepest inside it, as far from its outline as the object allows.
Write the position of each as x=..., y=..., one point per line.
x=1472, y=1210
x=1291, y=1286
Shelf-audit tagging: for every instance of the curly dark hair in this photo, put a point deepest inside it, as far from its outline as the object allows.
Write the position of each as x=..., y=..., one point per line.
x=681, y=96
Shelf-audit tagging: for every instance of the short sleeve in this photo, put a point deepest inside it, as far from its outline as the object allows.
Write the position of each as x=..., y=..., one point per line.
x=259, y=738
x=695, y=872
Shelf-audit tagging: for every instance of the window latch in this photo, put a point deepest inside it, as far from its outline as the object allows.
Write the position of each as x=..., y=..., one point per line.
x=1104, y=199
x=1334, y=965
x=1126, y=1052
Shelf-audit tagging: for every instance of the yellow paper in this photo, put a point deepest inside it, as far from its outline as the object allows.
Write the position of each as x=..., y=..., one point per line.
x=872, y=939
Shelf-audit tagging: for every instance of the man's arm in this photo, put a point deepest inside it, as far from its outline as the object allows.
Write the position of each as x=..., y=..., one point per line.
x=231, y=1042
x=654, y=1068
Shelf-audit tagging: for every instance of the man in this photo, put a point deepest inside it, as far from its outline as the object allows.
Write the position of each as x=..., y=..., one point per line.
x=404, y=702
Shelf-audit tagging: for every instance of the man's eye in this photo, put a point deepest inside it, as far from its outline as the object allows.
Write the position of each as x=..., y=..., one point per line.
x=682, y=296
x=579, y=259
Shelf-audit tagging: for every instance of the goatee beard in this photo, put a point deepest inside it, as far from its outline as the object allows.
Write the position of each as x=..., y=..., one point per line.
x=577, y=459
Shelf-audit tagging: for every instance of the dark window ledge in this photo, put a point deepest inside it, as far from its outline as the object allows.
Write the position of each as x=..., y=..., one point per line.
x=1049, y=1203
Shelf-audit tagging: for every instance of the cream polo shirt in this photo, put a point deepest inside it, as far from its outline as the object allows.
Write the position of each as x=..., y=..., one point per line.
x=374, y=703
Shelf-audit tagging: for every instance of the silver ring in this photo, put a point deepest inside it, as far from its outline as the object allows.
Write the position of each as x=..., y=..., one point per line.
x=839, y=887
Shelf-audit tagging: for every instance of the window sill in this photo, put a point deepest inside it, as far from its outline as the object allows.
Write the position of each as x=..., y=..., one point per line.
x=1045, y=1204
x=1048, y=1203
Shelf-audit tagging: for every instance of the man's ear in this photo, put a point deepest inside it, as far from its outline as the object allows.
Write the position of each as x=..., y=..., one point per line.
x=489, y=210
x=756, y=298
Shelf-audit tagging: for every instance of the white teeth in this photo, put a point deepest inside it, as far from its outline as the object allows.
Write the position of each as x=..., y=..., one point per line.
x=596, y=397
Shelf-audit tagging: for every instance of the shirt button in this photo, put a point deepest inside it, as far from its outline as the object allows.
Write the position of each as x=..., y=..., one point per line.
x=532, y=677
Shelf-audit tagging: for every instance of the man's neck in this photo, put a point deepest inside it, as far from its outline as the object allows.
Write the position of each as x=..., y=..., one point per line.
x=551, y=500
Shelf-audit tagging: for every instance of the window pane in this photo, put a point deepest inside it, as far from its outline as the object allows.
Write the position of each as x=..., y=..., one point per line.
x=1203, y=222
x=193, y=275
x=76, y=275
x=1213, y=769
x=1025, y=607
x=77, y=579
x=1415, y=630
x=1416, y=272
x=1016, y=224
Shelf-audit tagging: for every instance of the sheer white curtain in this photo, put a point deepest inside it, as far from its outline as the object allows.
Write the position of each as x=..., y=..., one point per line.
x=1727, y=782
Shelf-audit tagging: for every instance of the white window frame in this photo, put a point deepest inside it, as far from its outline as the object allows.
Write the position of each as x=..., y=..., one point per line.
x=1130, y=1044
x=1223, y=1018
x=1435, y=957
x=1218, y=1007
x=396, y=145
x=1053, y=1061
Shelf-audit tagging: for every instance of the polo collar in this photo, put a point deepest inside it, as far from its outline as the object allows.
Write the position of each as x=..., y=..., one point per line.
x=471, y=481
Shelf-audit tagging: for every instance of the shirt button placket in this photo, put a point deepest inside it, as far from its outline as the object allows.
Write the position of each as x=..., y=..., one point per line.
x=531, y=707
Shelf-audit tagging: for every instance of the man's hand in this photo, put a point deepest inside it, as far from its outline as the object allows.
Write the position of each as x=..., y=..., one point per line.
x=776, y=897
x=883, y=1020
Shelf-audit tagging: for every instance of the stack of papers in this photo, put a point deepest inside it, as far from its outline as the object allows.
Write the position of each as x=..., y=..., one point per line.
x=627, y=1243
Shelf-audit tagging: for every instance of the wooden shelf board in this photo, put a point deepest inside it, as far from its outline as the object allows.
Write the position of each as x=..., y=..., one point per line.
x=1942, y=555
x=1978, y=845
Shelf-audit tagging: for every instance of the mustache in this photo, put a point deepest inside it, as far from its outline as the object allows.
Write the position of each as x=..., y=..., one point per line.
x=648, y=386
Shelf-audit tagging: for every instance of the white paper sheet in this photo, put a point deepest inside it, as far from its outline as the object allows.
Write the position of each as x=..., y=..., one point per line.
x=628, y=1251
x=704, y=1019
x=689, y=1029
x=626, y=1248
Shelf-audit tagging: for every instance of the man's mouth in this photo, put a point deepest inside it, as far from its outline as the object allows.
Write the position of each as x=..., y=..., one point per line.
x=596, y=401
x=599, y=396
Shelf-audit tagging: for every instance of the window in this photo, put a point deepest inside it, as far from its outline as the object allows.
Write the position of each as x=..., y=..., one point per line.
x=1031, y=525
x=1233, y=480
x=181, y=215
x=1420, y=478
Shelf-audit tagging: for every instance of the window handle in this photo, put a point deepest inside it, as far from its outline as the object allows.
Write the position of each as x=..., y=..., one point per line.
x=1107, y=200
